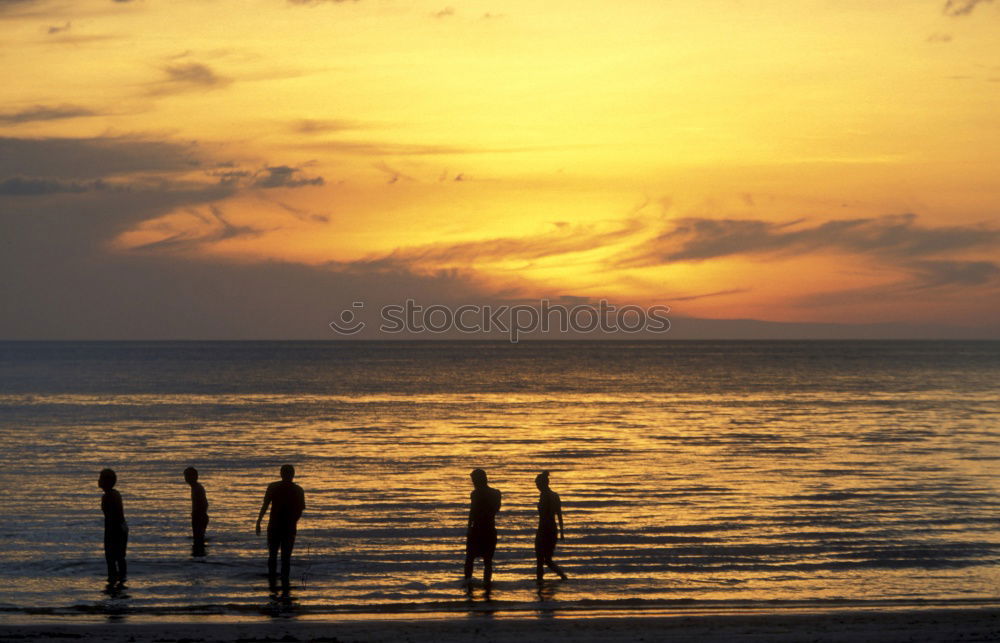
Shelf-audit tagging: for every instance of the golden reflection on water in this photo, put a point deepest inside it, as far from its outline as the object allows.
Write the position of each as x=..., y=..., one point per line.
x=666, y=496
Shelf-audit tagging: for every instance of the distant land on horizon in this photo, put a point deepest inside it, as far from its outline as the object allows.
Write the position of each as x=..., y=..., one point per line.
x=682, y=328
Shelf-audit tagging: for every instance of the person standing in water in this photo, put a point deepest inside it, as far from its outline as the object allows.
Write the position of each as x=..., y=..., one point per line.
x=481, y=532
x=199, y=511
x=287, y=502
x=115, y=527
x=549, y=508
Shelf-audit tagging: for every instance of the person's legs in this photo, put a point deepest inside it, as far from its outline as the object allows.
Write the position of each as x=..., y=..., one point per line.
x=469, y=562
x=122, y=570
x=287, y=544
x=487, y=569
x=199, y=523
x=554, y=567
x=273, y=543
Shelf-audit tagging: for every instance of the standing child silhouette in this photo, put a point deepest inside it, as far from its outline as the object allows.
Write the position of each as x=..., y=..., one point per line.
x=115, y=527
x=199, y=511
x=549, y=508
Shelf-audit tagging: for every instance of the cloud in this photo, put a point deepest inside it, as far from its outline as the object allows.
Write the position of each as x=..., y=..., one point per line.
x=45, y=113
x=939, y=38
x=943, y=278
x=447, y=12
x=938, y=273
x=962, y=7
x=54, y=29
x=220, y=229
x=188, y=76
x=561, y=241
x=696, y=239
x=283, y=176
x=273, y=176
x=35, y=186
x=318, y=126
x=92, y=158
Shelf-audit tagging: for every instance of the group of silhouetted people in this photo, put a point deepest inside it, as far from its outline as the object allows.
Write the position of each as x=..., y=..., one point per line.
x=481, y=533
x=286, y=501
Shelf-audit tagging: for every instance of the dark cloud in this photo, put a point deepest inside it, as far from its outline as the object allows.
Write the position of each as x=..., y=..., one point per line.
x=54, y=29
x=221, y=230
x=718, y=293
x=92, y=158
x=273, y=176
x=694, y=239
x=45, y=113
x=35, y=186
x=283, y=176
x=962, y=7
x=937, y=279
x=940, y=273
x=316, y=126
x=188, y=76
x=447, y=12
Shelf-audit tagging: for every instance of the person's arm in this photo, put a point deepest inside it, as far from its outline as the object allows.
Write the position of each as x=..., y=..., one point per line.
x=472, y=511
x=562, y=536
x=263, y=508
x=301, y=504
x=118, y=510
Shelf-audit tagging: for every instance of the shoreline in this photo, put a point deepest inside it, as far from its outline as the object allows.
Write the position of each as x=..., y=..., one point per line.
x=900, y=624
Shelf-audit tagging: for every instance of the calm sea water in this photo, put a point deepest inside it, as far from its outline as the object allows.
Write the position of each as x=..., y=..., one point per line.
x=715, y=472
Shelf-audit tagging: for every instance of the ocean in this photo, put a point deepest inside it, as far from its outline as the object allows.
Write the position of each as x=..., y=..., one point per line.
x=692, y=474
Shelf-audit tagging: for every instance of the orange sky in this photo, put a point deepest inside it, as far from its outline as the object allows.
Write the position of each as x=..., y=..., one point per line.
x=789, y=160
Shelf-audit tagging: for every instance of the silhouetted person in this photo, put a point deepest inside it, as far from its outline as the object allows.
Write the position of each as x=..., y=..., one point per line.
x=549, y=508
x=287, y=501
x=115, y=527
x=481, y=534
x=199, y=511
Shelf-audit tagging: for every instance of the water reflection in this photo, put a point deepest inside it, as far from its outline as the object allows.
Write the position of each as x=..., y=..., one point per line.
x=281, y=603
x=547, y=603
x=115, y=606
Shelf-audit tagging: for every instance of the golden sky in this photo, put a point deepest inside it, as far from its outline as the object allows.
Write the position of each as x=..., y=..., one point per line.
x=787, y=160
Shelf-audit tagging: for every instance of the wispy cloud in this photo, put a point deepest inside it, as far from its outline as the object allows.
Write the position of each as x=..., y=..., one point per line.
x=284, y=176
x=270, y=176
x=562, y=240
x=45, y=113
x=322, y=126
x=962, y=7
x=91, y=158
x=186, y=77
x=36, y=186
x=218, y=228
x=696, y=239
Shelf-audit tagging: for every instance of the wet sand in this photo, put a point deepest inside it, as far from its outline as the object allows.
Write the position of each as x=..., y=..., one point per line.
x=980, y=624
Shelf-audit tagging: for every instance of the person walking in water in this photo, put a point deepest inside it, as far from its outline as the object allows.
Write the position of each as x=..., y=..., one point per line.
x=115, y=527
x=481, y=533
x=199, y=511
x=287, y=502
x=549, y=509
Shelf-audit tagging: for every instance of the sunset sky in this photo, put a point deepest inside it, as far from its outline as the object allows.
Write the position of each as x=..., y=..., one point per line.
x=248, y=168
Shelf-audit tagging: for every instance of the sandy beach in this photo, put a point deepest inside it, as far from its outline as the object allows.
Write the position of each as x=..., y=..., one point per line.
x=981, y=624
